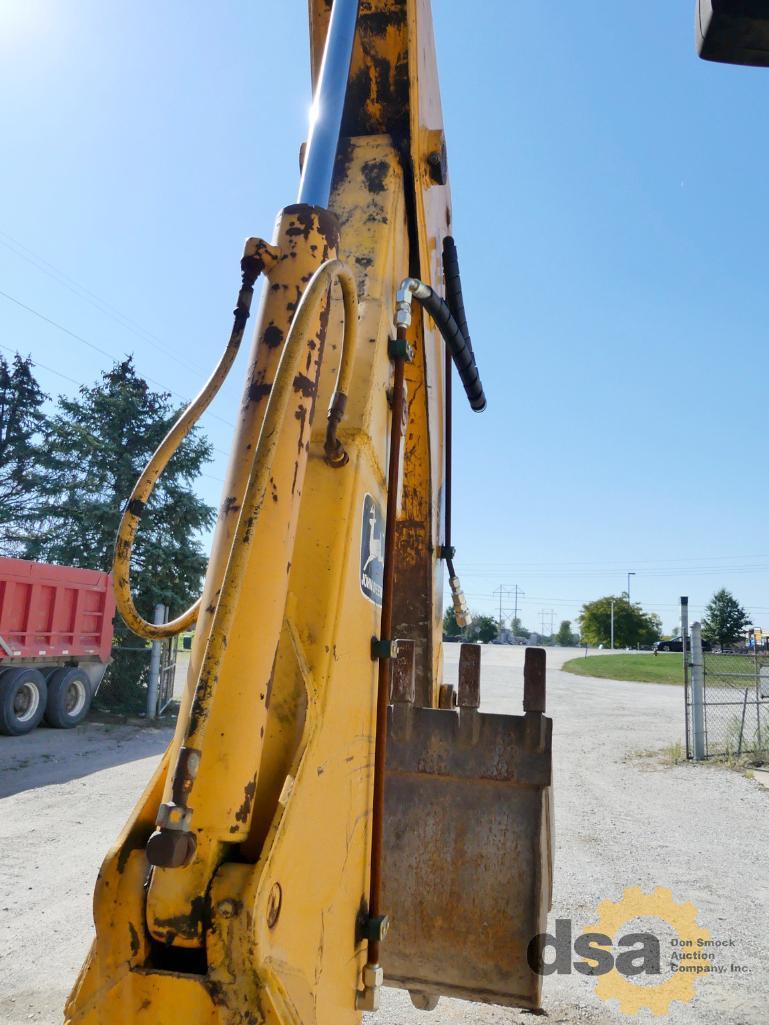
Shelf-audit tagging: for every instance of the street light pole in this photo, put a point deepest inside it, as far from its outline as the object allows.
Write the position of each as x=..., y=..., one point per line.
x=631, y=573
x=612, y=624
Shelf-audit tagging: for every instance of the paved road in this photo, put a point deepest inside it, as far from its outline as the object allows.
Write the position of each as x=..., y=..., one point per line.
x=623, y=819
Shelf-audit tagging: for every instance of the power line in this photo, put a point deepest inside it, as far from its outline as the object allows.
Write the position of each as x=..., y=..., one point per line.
x=98, y=302
x=622, y=563
x=90, y=437
x=96, y=348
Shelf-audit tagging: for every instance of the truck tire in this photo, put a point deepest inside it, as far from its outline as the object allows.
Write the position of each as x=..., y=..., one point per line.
x=23, y=695
x=69, y=698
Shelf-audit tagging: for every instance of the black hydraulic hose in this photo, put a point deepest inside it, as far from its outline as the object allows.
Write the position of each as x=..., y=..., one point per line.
x=462, y=354
x=454, y=288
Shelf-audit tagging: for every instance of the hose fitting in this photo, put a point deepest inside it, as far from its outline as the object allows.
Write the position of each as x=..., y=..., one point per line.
x=461, y=611
x=408, y=290
x=456, y=343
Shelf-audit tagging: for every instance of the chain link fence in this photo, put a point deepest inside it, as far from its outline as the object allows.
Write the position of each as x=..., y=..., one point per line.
x=731, y=705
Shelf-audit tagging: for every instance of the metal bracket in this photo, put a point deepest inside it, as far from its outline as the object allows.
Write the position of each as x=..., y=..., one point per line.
x=446, y=551
x=375, y=929
x=383, y=649
x=399, y=348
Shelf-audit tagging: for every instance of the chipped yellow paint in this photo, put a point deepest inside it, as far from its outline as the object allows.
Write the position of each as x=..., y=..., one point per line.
x=318, y=727
x=296, y=694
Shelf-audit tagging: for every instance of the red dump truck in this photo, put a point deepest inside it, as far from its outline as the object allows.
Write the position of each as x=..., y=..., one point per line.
x=55, y=642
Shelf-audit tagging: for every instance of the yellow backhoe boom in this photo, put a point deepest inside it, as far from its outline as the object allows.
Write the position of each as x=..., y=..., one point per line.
x=330, y=816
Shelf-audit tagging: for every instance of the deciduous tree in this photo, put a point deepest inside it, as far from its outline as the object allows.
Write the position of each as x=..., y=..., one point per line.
x=484, y=629
x=565, y=637
x=632, y=626
x=451, y=628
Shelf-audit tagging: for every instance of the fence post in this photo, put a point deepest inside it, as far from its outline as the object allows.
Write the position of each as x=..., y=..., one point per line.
x=698, y=695
x=154, y=676
x=685, y=656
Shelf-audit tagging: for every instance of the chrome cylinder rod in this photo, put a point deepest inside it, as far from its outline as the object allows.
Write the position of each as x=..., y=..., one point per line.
x=328, y=105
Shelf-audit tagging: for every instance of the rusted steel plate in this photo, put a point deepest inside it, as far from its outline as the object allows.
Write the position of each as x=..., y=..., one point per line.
x=469, y=676
x=468, y=859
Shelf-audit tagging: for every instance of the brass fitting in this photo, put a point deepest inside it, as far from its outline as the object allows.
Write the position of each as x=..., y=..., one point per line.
x=461, y=611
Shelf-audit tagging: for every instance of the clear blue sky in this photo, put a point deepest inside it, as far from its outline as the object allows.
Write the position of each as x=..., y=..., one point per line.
x=612, y=186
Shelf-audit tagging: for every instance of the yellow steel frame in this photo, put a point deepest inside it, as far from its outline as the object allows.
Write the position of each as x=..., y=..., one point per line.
x=260, y=926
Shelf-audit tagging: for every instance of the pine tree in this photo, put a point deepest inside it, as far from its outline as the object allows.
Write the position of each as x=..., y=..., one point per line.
x=95, y=447
x=725, y=619
x=21, y=421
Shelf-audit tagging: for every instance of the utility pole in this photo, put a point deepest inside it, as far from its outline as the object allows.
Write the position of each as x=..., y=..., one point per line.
x=522, y=594
x=612, y=624
x=501, y=591
x=552, y=621
x=631, y=573
x=542, y=615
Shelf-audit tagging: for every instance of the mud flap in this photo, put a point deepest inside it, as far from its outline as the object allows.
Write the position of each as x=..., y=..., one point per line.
x=468, y=848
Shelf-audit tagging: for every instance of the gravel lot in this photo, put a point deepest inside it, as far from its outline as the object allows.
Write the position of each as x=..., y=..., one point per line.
x=623, y=818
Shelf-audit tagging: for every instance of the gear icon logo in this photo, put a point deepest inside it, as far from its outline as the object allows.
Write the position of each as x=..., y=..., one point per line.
x=682, y=918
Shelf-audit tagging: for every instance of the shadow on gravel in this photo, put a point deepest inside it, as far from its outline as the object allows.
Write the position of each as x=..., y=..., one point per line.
x=49, y=757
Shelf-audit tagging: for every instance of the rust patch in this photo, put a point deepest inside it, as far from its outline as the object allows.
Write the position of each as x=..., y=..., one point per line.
x=230, y=505
x=189, y=926
x=135, y=945
x=244, y=810
x=304, y=385
x=273, y=336
x=258, y=391
x=374, y=174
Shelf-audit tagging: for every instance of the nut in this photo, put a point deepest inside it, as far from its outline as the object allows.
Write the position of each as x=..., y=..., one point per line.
x=367, y=1000
x=373, y=976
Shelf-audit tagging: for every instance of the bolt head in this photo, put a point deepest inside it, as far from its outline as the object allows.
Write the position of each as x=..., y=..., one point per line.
x=274, y=902
x=226, y=908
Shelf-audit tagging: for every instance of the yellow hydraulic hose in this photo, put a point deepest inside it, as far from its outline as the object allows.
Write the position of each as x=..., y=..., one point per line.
x=261, y=469
x=173, y=844
x=263, y=256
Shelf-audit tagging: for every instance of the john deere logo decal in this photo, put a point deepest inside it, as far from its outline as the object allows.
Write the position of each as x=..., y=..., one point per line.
x=372, y=551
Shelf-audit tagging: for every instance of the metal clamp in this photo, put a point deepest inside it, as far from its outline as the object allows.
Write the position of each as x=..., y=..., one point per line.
x=399, y=348
x=376, y=929
x=383, y=649
x=446, y=551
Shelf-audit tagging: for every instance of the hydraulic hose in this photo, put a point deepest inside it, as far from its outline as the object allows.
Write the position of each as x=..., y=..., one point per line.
x=454, y=298
x=461, y=352
x=457, y=343
x=173, y=844
x=258, y=257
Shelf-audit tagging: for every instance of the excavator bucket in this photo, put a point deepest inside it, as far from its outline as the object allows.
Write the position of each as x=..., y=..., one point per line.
x=468, y=840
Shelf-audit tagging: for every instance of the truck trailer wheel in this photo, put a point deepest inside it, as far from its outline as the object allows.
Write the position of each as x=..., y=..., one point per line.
x=69, y=698
x=22, y=700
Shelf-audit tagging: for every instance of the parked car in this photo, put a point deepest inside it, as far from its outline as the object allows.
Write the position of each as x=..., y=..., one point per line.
x=677, y=644
x=55, y=643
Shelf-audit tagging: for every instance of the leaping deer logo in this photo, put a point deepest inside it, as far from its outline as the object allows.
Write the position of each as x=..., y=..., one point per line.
x=374, y=543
